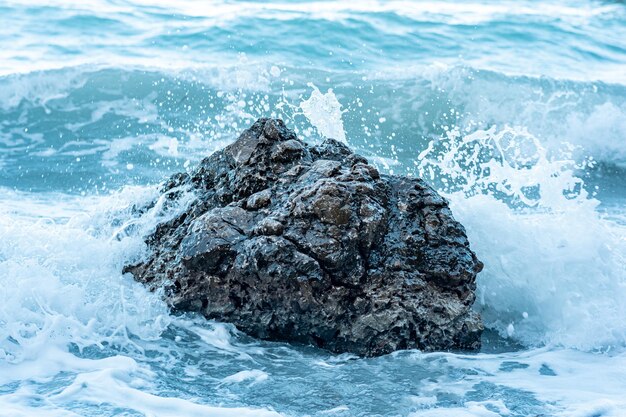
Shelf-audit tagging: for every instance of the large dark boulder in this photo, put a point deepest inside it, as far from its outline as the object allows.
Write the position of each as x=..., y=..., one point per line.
x=311, y=244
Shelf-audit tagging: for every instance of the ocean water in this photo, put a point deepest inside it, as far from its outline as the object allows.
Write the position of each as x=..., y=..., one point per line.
x=515, y=110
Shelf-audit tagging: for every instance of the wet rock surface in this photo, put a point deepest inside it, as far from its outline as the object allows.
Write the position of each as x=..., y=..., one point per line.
x=311, y=244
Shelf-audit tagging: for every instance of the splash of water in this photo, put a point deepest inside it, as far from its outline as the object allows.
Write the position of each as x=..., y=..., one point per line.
x=324, y=112
x=554, y=267
x=60, y=276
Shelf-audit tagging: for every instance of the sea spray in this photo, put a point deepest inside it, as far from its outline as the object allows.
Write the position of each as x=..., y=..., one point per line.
x=324, y=112
x=61, y=283
x=553, y=265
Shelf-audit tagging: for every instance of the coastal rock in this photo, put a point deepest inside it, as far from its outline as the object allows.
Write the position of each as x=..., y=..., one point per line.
x=311, y=244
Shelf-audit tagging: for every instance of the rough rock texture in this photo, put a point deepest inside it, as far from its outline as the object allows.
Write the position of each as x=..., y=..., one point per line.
x=311, y=244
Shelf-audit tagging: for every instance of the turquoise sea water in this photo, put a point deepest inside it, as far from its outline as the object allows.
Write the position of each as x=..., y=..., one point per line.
x=515, y=110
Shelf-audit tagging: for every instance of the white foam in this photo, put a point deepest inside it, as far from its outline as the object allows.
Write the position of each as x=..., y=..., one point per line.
x=600, y=131
x=460, y=13
x=568, y=382
x=60, y=278
x=115, y=387
x=117, y=381
x=472, y=409
x=253, y=376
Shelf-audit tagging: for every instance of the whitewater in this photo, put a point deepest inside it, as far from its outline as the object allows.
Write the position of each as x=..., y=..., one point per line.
x=514, y=110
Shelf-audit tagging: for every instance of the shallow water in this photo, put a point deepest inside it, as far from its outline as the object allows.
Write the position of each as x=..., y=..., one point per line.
x=516, y=111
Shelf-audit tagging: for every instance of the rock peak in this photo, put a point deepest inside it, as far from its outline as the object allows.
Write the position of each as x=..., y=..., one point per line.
x=264, y=132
